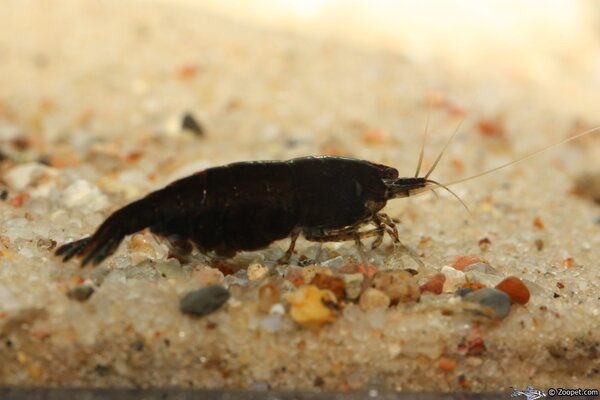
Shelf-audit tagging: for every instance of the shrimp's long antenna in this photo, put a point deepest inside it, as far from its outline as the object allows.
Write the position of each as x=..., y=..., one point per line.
x=422, y=152
x=452, y=193
x=526, y=157
x=437, y=196
x=439, y=157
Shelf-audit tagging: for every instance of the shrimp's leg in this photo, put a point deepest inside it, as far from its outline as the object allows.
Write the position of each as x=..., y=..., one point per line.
x=286, y=257
x=385, y=224
x=342, y=235
x=389, y=225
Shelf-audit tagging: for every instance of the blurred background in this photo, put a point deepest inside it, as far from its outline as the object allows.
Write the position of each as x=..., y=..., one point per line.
x=548, y=43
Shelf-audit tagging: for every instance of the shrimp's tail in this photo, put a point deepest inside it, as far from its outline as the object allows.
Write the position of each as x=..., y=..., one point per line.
x=157, y=207
x=105, y=241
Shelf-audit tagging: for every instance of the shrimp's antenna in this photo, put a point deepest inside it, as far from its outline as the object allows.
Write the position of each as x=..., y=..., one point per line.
x=452, y=193
x=525, y=157
x=437, y=196
x=439, y=157
x=421, y=153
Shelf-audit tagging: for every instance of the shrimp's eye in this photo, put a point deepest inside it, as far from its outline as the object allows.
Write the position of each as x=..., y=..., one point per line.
x=389, y=173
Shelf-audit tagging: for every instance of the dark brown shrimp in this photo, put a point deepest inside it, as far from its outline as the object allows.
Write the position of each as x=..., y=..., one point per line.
x=249, y=205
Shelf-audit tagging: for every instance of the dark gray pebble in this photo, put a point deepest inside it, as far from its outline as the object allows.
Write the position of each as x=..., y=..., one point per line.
x=462, y=292
x=497, y=301
x=204, y=301
x=80, y=293
x=191, y=124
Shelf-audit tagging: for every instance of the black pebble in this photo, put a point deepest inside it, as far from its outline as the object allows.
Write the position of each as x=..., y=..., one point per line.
x=189, y=123
x=137, y=345
x=204, y=301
